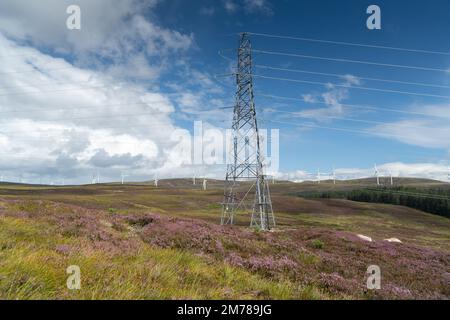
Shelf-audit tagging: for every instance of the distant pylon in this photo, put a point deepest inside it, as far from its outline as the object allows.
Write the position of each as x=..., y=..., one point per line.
x=246, y=161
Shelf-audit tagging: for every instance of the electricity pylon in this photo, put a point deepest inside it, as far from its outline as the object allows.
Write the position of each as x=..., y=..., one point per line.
x=246, y=163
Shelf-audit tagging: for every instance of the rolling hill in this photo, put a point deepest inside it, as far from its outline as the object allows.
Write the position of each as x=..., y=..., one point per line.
x=135, y=241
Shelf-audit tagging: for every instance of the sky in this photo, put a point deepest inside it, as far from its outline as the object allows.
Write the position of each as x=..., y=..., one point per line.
x=121, y=96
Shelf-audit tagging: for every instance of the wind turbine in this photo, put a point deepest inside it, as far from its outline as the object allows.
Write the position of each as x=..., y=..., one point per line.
x=318, y=176
x=334, y=176
x=392, y=178
x=156, y=180
x=376, y=175
x=193, y=179
x=205, y=184
x=123, y=176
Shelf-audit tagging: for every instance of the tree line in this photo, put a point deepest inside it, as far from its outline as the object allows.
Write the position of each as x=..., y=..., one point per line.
x=435, y=201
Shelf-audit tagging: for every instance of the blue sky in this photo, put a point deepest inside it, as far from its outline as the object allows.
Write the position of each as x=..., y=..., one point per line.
x=404, y=24
x=160, y=59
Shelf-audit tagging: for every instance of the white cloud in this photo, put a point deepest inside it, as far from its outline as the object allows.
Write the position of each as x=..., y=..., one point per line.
x=424, y=133
x=105, y=110
x=332, y=98
x=230, y=6
x=256, y=6
x=249, y=6
x=58, y=120
x=110, y=29
x=432, y=131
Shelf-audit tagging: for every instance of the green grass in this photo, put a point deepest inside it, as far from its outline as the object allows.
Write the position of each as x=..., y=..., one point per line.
x=31, y=268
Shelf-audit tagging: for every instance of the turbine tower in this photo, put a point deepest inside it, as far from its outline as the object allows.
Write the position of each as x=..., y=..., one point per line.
x=334, y=176
x=123, y=176
x=318, y=176
x=376, y=175
x=246, y=163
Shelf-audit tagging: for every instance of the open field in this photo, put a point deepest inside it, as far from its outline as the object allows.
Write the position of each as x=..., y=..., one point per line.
x=140, y=242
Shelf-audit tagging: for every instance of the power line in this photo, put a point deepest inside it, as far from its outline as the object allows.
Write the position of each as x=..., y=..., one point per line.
x=350, y=61
x=343, y=76
x=45, y=85
x=76, y=107
x=354, y=120
x=352, y=87
x=350, y=44
x=330, y=128
x=50, y=91
x=355, y=106
x=98, y=117
x=36, y=69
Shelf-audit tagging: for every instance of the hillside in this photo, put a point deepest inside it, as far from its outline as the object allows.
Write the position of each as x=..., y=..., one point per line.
x=138, y=241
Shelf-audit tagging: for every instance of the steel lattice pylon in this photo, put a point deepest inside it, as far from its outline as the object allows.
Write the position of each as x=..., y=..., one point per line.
x=246, y=161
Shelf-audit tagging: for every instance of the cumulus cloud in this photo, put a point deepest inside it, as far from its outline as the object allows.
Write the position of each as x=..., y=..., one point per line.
x=111, y=30
x=93, y=101
x=61, y=121
x=332, y=98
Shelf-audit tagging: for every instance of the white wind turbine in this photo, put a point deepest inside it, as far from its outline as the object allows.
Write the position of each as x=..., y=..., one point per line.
x=318, y=176
x=123, y=176
x=376, y=175
x=156, y=180
x=193, y=179
x=392, y=178
x=334, y=176
x=205, y=182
